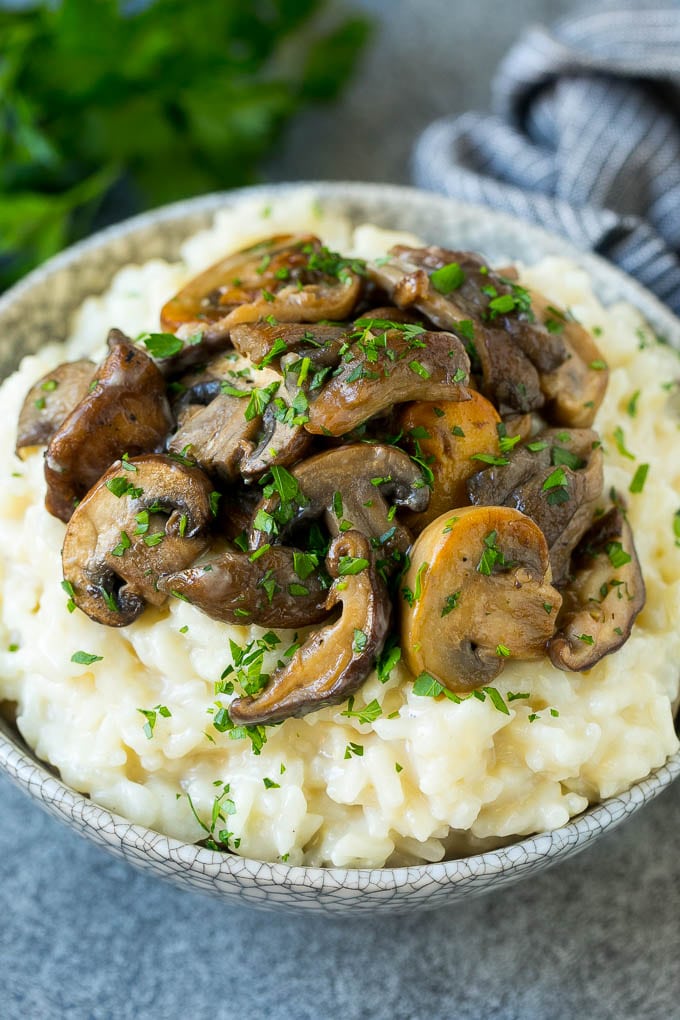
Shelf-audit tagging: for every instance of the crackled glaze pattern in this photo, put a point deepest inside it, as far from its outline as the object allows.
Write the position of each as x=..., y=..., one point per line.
x=39, y=309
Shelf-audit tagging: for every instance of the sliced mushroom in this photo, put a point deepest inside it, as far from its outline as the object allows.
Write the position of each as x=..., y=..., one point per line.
x=279, y=587
x=472, y=295
x=388, y=367
x=282, y=439
x=207, y=381
x=576, y=388
x=212, y=435
x=124, y=411
x=49, y=401
x=333, y=662
x=292, y=278
x=478, y=593
x=145, y=517
x=489, y=311
x=350, y=487
x=260, y=340
x=556, y=480
x=602, y=599
x=447, y=436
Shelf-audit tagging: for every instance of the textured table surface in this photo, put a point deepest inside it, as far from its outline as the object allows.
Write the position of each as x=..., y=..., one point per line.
x=84, y=936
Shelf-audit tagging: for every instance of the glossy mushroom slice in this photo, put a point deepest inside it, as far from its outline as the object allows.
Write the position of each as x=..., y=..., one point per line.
x=478, y=593
x=556, y=479
x=289, y=277
x=264, y=341
x=353, y=486
x=602, y=599
x=333, y=662
x=457, y=291
x=282, y=439
x=452, y=438
x=279, y=587
x=125, y=410
x=454, y=286
x=49, y=401
x=387, y=367
x=576, y=388
x=212, y=435
x=145, y=517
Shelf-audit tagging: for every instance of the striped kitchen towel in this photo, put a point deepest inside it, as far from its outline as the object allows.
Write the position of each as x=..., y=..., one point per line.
x=584, y=139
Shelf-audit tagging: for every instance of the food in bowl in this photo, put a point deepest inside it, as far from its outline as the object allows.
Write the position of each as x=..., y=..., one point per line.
x=432, y=761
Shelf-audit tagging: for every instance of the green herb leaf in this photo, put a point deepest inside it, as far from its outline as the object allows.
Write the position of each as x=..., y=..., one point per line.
x=639, y=479
x=85, y=658
x=448, y=278
x=161, y=345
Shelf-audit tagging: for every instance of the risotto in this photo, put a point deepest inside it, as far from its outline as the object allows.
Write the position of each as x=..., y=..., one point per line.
x=401, y=778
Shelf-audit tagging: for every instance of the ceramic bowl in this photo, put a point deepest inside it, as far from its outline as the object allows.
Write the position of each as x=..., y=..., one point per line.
x=39, y=309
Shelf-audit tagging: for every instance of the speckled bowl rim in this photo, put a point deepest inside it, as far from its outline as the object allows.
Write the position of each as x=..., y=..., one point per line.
x=170, y=857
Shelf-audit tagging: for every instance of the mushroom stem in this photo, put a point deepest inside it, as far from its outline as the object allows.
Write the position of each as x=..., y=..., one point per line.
x=333, y=662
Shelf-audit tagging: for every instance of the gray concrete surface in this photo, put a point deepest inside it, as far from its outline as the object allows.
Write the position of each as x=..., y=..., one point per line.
x=83, y=936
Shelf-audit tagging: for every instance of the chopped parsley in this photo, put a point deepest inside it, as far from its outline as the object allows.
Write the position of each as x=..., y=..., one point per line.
x=162, y=345
x=451, y=603
x=621, y=444
x=85, y=658
x=491, y=555
x=151, y=715
x=365, y=715
x=639, y=479
x=447, y=278
x=618, y=557
x=389, y=657
x=631, y=406
x=556, y=487
x=349, y=565
x=120, y=486
x=354, y=750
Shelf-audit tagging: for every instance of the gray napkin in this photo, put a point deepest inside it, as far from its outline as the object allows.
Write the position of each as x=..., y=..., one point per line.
x=584, y=139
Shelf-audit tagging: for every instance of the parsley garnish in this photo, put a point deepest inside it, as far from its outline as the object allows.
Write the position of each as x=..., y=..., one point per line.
x=448, y=278
x=348, y=565
x=621, y=445
x=365, y=715
x=85, y=658
x=161, y=345
x=451, y=603
x=639, y=479
x=618, y=557
x=150, y=714
x=352, y=749
x=556, y=487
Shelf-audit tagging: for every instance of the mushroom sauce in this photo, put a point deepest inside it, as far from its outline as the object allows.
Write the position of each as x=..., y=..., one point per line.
x=444, y=492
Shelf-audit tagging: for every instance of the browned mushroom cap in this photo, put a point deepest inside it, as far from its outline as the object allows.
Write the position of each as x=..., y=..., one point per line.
x=49, y=401
x=212, y=435
x=576, y=388
x=334, y=662
x=350, y=487
x=457, y=291
x=124, y=411
x=603, y=597
x=387, y=367
x=477, y=593
x=293, y=278
x=145, y=517
x=279, y=587
x=471, y=291
x=447, y=436
x=556, y=480
x=260, y=340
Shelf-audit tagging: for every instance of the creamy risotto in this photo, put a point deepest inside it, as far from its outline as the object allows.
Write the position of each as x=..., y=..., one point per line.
x=425, y=778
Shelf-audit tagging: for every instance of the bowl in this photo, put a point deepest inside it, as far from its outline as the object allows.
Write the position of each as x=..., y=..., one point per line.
x=39, y=308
